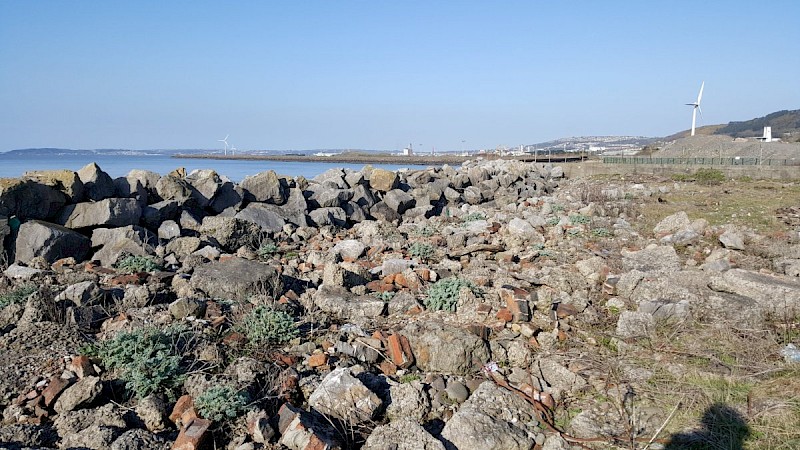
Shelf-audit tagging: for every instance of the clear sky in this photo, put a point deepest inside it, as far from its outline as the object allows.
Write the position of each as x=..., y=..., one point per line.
x=380, y=75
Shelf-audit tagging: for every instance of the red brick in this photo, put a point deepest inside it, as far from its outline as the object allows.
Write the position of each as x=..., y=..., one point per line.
x=504, y=315
x=54, y=389
x=388, y=368
x=184, y=405
x=399, y=351
x=317, y=360
x=193, y=435
x=82, y=366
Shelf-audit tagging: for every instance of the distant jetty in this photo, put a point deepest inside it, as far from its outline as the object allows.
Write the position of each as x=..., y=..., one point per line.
x=365, y=158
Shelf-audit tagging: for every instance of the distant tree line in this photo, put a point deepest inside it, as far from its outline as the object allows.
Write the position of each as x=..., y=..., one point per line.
x=781, y=122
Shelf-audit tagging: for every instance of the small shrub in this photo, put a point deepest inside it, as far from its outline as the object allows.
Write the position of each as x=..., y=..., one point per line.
x=709, y=176
x=577, y=219
x=556, y=207
x=472, y=217
x=424, y=231
x=602, y=232
x=220, y=402
x=421, y=250
x=553, y=221
x=136, y=264
x=409, y=377
x=267, y=249
x=264, y=325
x=17, y=295
x=443, y=295
x=147, y=360
x=384, y=296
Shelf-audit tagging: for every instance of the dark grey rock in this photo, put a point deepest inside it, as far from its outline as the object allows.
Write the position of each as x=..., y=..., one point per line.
x=157, y=213
x=28, y=199
x=265, y=187
x=229, y=232
x=263, y=215
x=398, y=200
x=79, y=395
x=50, y=241
x=445, y=348
x=114, y=212
x=97, y=184
x=235, y=278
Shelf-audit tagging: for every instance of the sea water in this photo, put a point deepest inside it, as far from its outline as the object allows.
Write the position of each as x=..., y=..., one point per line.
x=120, y=165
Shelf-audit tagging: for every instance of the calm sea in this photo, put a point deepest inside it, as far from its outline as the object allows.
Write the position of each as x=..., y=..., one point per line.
x=117, y=166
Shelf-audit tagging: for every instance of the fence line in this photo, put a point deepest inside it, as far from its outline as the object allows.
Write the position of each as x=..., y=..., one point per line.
x=700, y=161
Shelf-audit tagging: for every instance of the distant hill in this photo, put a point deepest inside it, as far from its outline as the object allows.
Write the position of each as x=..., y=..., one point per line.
x=785, y=124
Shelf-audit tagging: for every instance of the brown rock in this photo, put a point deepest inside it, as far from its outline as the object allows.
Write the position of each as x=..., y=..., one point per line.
x=193, y=435
x=505, y=315
x=184, y=409
x=399, y=351
x=82, y=366
x=317, y=360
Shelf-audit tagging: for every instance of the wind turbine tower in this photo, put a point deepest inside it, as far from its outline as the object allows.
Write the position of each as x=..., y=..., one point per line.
x=226, y=143
x=696, y=107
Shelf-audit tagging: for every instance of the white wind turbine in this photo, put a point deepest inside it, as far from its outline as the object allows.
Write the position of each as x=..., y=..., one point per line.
x=696, y=107
x=226, y=143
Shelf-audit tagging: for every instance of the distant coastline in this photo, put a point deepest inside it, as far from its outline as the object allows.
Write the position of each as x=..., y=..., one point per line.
x=365, y=158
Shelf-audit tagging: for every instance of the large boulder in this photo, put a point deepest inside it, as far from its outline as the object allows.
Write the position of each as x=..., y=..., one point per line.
x=236, y=278
x=328, y=216
x=28, y=199
x=125, y=187
x=115, y=242
x=148, y=179
x=65, y=181
x=229, y=195
x=170, y=187
x=204, y=186
x=398, y=200
x=403, y=434
x=345, y=397
x=331, y=197
x=229, y=232
x=97, y=184
x=774, y=294
x=445, y=348
x=50, y=241
x=340, y=302
x=111, y=212
x=383, y=180
x=263, y=215
x=157, y=213
x=651, y=259
x=493, y=419
x=265, y=187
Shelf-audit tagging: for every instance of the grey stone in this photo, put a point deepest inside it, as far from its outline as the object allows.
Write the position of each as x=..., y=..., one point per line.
x=115, y=212
x=229, y=195
x=343, y=396
x=204, y=185
x=85, y=293
x=157, y=213
x=671, y=224
x=97, y=184
x=183, y=246
x=148, y=179
x=349, y=249
x=185, y=307
x=152, y=411
x=363, y=197
x=79, y=395
x=557, y=376
x=26, y=436
x=262, y=215
x=492, y=418
x=235, y=278
x=169, y=229
x=130, y=188
x=651, y=259
x=445, y=348
x=402, y=434
x=775, y=294
x=94, y=437
x=339, y=302
x=457, y=391
x=408, y=400
x=332, y=198
x=635, y=324
x=473, y=195
x=28, y=199
x=732, y=240
x=265, y=187
x=86, y=317
x=229, y=232
x=328, y=216
x=50, y=241
x=65, y=181
x=398, y=200
x=383, y=212
x=667, y=310
x=138, y=439
x=15, y=271
x=170, y=187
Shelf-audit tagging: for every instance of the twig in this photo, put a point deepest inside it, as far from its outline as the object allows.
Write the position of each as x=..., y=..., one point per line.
x=664, y=425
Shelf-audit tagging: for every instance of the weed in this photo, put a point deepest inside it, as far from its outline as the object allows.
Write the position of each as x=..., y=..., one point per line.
x=443, y=295
x=557, y=207
x=267, y=249
x=553, y=221
x=265, y=325
x=421, y=250
x=472, y=217
x=136, y=264
x=17, y=295
x=424, y=231
x=147, y=360
x=409, y=377
x=384, y=296
x=709, y=176
x=220, y=402
x=577, y=219
x=602, y=232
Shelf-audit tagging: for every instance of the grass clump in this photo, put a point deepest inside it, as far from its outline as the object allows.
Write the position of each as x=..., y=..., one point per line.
x=136, y=264
x=17, y=295
x=147, y=359
x=443, y=295
x=472, y=217
x=709, y=176
x=424, y=231
x=384, y=296
x=577, y=219
x=220, y=403
x=265, y=325
x=421, y=250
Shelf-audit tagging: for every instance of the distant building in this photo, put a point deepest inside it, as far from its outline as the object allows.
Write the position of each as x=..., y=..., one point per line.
x=408, y=151
x=767, y=137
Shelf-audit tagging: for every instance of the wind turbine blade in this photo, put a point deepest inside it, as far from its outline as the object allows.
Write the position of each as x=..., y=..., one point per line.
x=700, y=95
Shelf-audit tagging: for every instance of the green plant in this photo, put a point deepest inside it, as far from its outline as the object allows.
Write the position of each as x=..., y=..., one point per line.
x=556, y=207
x=579, y=219
x=220, y=402
x=409, y=377
x=147, y=359
x=265, y=325
x=421, y=250
x=472, y=217
x=136, y=264
x=384, y=296
x=267, y=249
x=443, y=295
x=424, y=231
x=17, y=295
x=602, y=232
x=553, y=221
x=709, y=176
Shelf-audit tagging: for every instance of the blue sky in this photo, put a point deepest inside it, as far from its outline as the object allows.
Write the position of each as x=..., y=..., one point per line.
x=380, y=75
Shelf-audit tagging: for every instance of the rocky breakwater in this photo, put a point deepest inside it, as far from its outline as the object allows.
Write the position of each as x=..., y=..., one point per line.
x=435, y=309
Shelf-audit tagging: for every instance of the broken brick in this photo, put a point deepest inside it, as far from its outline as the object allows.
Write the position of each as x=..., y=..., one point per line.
x=193, y=435
x=54, y=389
